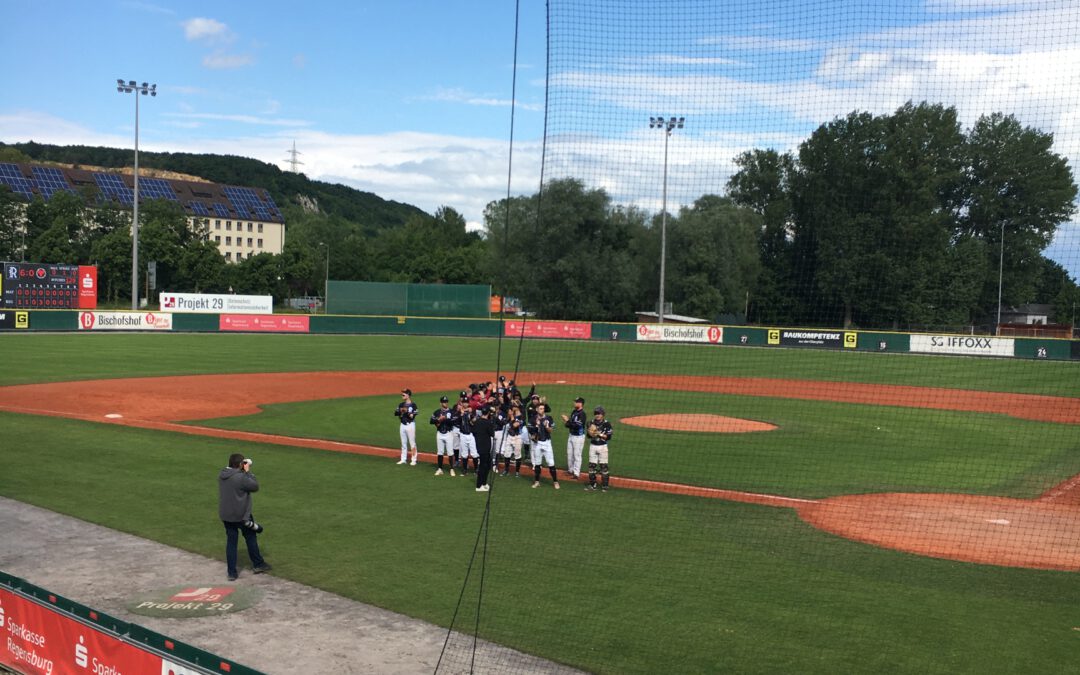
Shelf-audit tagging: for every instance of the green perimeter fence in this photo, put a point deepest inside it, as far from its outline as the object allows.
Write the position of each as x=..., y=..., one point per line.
x=378, y=298
x=745, y=336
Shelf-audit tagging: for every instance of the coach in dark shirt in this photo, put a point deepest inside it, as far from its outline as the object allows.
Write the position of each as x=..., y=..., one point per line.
x=484, y=433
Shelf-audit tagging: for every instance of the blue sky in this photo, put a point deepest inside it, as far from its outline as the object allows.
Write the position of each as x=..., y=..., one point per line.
x=411, y=99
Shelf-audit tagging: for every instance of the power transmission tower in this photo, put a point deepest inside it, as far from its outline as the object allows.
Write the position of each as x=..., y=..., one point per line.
x=292, y=160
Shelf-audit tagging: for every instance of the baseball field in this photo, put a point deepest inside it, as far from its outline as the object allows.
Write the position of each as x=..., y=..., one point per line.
x=906, y=514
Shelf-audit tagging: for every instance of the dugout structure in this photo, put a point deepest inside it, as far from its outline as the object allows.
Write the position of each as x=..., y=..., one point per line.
x=396, y=299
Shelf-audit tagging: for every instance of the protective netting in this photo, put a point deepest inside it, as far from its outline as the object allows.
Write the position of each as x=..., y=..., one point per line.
x=865, y=455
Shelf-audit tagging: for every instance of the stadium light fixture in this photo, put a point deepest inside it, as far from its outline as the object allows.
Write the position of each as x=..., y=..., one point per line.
x=667, y=125
x=145, y=89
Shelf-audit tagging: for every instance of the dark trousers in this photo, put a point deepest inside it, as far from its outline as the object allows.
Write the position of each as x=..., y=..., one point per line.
x=232, y=530
x=484, y=466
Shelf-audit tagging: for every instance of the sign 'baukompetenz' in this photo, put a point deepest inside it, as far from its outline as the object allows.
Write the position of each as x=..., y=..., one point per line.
x=973, y=345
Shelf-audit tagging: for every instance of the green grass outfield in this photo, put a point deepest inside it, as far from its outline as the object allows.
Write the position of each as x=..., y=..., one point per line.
x=623, y=582
x=819, y=449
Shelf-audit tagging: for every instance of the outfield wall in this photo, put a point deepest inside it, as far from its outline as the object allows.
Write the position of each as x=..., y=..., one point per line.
x=739, y=336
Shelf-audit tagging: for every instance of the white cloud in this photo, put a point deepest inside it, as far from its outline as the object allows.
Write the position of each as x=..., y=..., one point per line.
x=147, y=7
x=427, y=170
x=30, y=125
x=761, y=43
x=458, y=95
x=240, y=119
x=222, y=61
x=203, y=29
x=184, y=90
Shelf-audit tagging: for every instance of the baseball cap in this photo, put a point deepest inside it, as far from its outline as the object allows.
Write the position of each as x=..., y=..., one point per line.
x=599, y=410
x=536, y=396
x=407, y=391
x=444, y=400
x=579, y=400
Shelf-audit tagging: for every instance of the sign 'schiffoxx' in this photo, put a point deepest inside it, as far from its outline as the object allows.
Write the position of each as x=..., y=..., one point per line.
x=973, y=345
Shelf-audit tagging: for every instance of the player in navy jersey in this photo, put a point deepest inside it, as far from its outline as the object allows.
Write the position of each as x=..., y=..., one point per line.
x=406, y=414
x=575, y=442
x=443, y=419
x=542, y=452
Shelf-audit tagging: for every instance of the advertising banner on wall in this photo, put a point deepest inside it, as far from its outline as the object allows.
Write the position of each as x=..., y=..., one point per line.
x=125, y=321
x=14, y=320
x=970, y=345
x=216, y=304
x=549, y=329
x=39, y=640
x=829, y=339
x=656, y=332
x=280, y=323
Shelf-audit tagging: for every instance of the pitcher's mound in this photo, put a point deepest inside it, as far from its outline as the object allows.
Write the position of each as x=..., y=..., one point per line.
x=715, y=424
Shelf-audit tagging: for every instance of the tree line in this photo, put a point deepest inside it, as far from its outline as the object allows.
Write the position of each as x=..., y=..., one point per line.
x=898, y=221
x=895, y=221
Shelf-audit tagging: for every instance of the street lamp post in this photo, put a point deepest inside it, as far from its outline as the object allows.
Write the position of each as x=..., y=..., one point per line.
x=667, y=125
x=1001, y=267
x=144, y=89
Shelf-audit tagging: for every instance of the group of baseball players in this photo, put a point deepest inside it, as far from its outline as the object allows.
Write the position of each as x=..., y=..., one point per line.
x=489, y=424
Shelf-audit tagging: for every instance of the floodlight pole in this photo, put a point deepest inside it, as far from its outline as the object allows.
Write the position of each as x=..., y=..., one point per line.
x=144, y=89
x=1001, y=268
x=326, y=280
x=667, y=125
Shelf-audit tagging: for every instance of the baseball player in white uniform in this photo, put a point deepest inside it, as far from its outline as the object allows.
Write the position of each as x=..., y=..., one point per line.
x=541, y=447
x=468, y=441
x=443, y=419
x=406, y=414
x=575, y=442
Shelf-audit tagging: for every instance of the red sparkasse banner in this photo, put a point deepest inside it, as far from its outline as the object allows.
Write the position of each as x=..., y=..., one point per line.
x=265, y=323
x=37, y=639
x=549, y=329
x=87, y=287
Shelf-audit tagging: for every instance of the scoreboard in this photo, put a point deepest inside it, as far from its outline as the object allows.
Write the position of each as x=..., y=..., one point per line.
x=48, y=286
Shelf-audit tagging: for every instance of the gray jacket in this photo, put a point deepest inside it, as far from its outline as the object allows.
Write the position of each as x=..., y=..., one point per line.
x=234, y=494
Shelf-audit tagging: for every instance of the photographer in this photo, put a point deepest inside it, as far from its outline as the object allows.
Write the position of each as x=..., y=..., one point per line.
x=483, y=435
x=235, y=485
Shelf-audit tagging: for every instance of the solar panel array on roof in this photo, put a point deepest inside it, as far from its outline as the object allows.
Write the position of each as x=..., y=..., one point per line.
x=113, y=187
x=14, y=179
x=156, y=188
x=197, y=198
x=50, y=181
x=246, y=201
x=272, y=207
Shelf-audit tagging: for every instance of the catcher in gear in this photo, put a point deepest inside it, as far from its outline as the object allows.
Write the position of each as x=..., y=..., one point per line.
x=599, y=432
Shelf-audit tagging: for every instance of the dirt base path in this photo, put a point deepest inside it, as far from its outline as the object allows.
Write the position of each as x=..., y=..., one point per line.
x=1041, y=533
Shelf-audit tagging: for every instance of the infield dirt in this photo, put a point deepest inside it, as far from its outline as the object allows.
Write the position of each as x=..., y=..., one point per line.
x=1041, y=533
